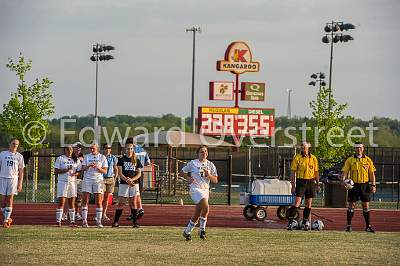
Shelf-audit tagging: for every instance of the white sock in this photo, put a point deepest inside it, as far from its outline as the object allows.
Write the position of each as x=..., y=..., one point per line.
x=203, y=222
x=7, y=213
x=71, y=215
x=59, y=214
x=189, y=227
x=99, y=214
x=84, y=213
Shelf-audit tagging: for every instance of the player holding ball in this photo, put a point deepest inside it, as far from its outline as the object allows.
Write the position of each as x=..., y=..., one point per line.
x=361, y=170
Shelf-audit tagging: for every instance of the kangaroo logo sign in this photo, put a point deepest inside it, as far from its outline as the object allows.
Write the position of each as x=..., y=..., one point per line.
x=238, y=59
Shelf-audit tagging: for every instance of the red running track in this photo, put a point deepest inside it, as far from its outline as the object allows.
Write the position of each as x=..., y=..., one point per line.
x=220, y=216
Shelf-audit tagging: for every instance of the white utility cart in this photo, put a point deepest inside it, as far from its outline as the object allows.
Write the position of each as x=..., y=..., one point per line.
x=264, y=193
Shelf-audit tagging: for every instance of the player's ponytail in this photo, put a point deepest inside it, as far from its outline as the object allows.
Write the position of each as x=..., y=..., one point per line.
x=133, y=158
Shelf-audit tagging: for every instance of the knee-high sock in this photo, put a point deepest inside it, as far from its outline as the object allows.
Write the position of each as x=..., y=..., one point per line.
x=71, y=215
x=203, y=222
x=292, y=213
x=306, y=214
x=99, y=214
x=118, y=213
x=7, y=213
x=190, y=226
x=350, y=214
x=59, y=214
x=134, y=215
x=366, y=217
x=84, y=213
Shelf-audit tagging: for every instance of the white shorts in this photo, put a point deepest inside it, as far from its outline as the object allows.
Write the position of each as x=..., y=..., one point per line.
x=127, y=191
x=66, y=189
x=197, y=194
x=8, y=186
x=92, y=186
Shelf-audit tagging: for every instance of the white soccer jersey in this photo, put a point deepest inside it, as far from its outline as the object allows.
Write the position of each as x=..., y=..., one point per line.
x=64, y=162
x=196, y=169
x=10, y=163
x=92, y=173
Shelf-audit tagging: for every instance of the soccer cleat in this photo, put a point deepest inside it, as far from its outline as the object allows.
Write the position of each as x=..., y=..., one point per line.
x=98, y=224
x=293, y=225
x=140, y=214
x=7, y=223
x=130, y=217
x=369, y=229
x=78, y=217
x=348, y=228
x=306, y=226
x=188, y=237
x=72, y=225
x=135, y=225
x=202, y=234
x=85, y=224
x=115, y=224
x=58, y=224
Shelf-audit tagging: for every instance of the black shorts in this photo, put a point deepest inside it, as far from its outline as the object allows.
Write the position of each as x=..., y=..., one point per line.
x=305, y=187
x=360, y=191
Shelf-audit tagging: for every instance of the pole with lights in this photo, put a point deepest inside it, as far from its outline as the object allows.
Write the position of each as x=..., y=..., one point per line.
x=99, y=54
x=194, y=30
x=318, y=78
x=334, y=34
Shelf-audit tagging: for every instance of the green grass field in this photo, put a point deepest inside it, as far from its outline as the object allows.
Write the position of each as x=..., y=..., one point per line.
x=164, y=245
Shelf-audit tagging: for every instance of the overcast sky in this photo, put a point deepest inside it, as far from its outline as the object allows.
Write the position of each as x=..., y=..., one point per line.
x=151, y=73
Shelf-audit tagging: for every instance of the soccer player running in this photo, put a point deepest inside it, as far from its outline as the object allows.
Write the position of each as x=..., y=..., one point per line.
x=361, y=170
x=305, y=182
x=67, y=168
x=109, y=178
x=11, y=177
x=199, y=173
x=129, y=169
x=94, y=165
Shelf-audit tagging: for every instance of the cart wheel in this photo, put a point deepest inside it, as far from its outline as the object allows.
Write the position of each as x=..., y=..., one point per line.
x=261, y=213
x=249, y=212
x=295, y=216
x=281, y=212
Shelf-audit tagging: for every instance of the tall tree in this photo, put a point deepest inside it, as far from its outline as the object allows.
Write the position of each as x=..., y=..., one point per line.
x=26, y=115
x=329, y=132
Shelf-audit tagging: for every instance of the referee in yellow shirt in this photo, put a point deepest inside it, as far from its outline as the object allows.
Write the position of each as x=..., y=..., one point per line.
x=361, y=170
x=305, y=182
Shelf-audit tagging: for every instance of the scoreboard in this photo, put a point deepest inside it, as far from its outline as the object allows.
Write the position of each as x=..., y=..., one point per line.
x=218, y=121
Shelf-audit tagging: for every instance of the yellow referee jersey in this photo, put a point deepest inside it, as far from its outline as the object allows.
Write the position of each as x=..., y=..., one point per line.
x=359, y=168
x=304, y=166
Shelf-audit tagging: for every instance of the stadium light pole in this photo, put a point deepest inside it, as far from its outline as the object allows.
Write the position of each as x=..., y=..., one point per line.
x=289, y=107
x=333, y=34
x=194, y=30
x=99, y=54
x=318, y=77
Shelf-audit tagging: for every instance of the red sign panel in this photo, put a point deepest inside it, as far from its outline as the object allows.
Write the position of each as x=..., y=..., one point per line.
x=218, y=121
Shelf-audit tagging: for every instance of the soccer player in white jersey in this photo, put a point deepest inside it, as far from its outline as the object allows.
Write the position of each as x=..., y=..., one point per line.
x=94, y=165
x=11, y=177
x=67, y=168
x=199, y=173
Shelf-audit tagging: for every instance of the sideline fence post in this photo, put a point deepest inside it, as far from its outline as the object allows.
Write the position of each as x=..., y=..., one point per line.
x=35, y=176
x=52, y=179
x=229, y=179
